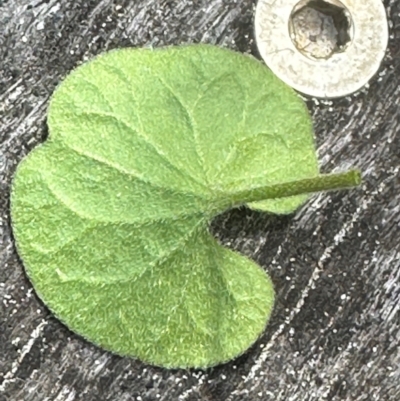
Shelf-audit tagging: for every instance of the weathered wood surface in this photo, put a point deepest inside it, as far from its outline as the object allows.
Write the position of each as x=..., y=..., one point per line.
x=335, y=332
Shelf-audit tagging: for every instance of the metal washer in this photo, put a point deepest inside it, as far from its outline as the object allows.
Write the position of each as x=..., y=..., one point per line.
x=339, y=75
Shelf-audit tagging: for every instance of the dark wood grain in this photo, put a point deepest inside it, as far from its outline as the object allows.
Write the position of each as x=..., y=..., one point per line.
x=335, y=332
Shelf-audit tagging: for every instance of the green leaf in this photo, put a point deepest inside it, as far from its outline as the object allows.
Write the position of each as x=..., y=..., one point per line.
x=111, y=214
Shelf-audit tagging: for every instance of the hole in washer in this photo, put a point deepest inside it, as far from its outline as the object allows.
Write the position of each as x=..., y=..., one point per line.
x=320, y=28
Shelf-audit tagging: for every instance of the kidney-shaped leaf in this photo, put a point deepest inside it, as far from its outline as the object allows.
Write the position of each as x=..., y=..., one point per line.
x=111, y=214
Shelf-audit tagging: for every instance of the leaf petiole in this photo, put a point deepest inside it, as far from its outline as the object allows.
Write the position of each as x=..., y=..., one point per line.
x=323, y=182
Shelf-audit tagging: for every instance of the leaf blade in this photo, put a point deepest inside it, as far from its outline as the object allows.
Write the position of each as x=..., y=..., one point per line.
x=110, y=215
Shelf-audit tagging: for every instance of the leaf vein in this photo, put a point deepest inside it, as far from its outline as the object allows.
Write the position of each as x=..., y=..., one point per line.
x=141, y=132
x=114, y=279
x=59, y=197
x=130, y=173
x=191, y=121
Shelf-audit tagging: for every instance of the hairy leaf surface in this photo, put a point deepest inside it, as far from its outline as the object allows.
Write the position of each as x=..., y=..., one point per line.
x=111, y=213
